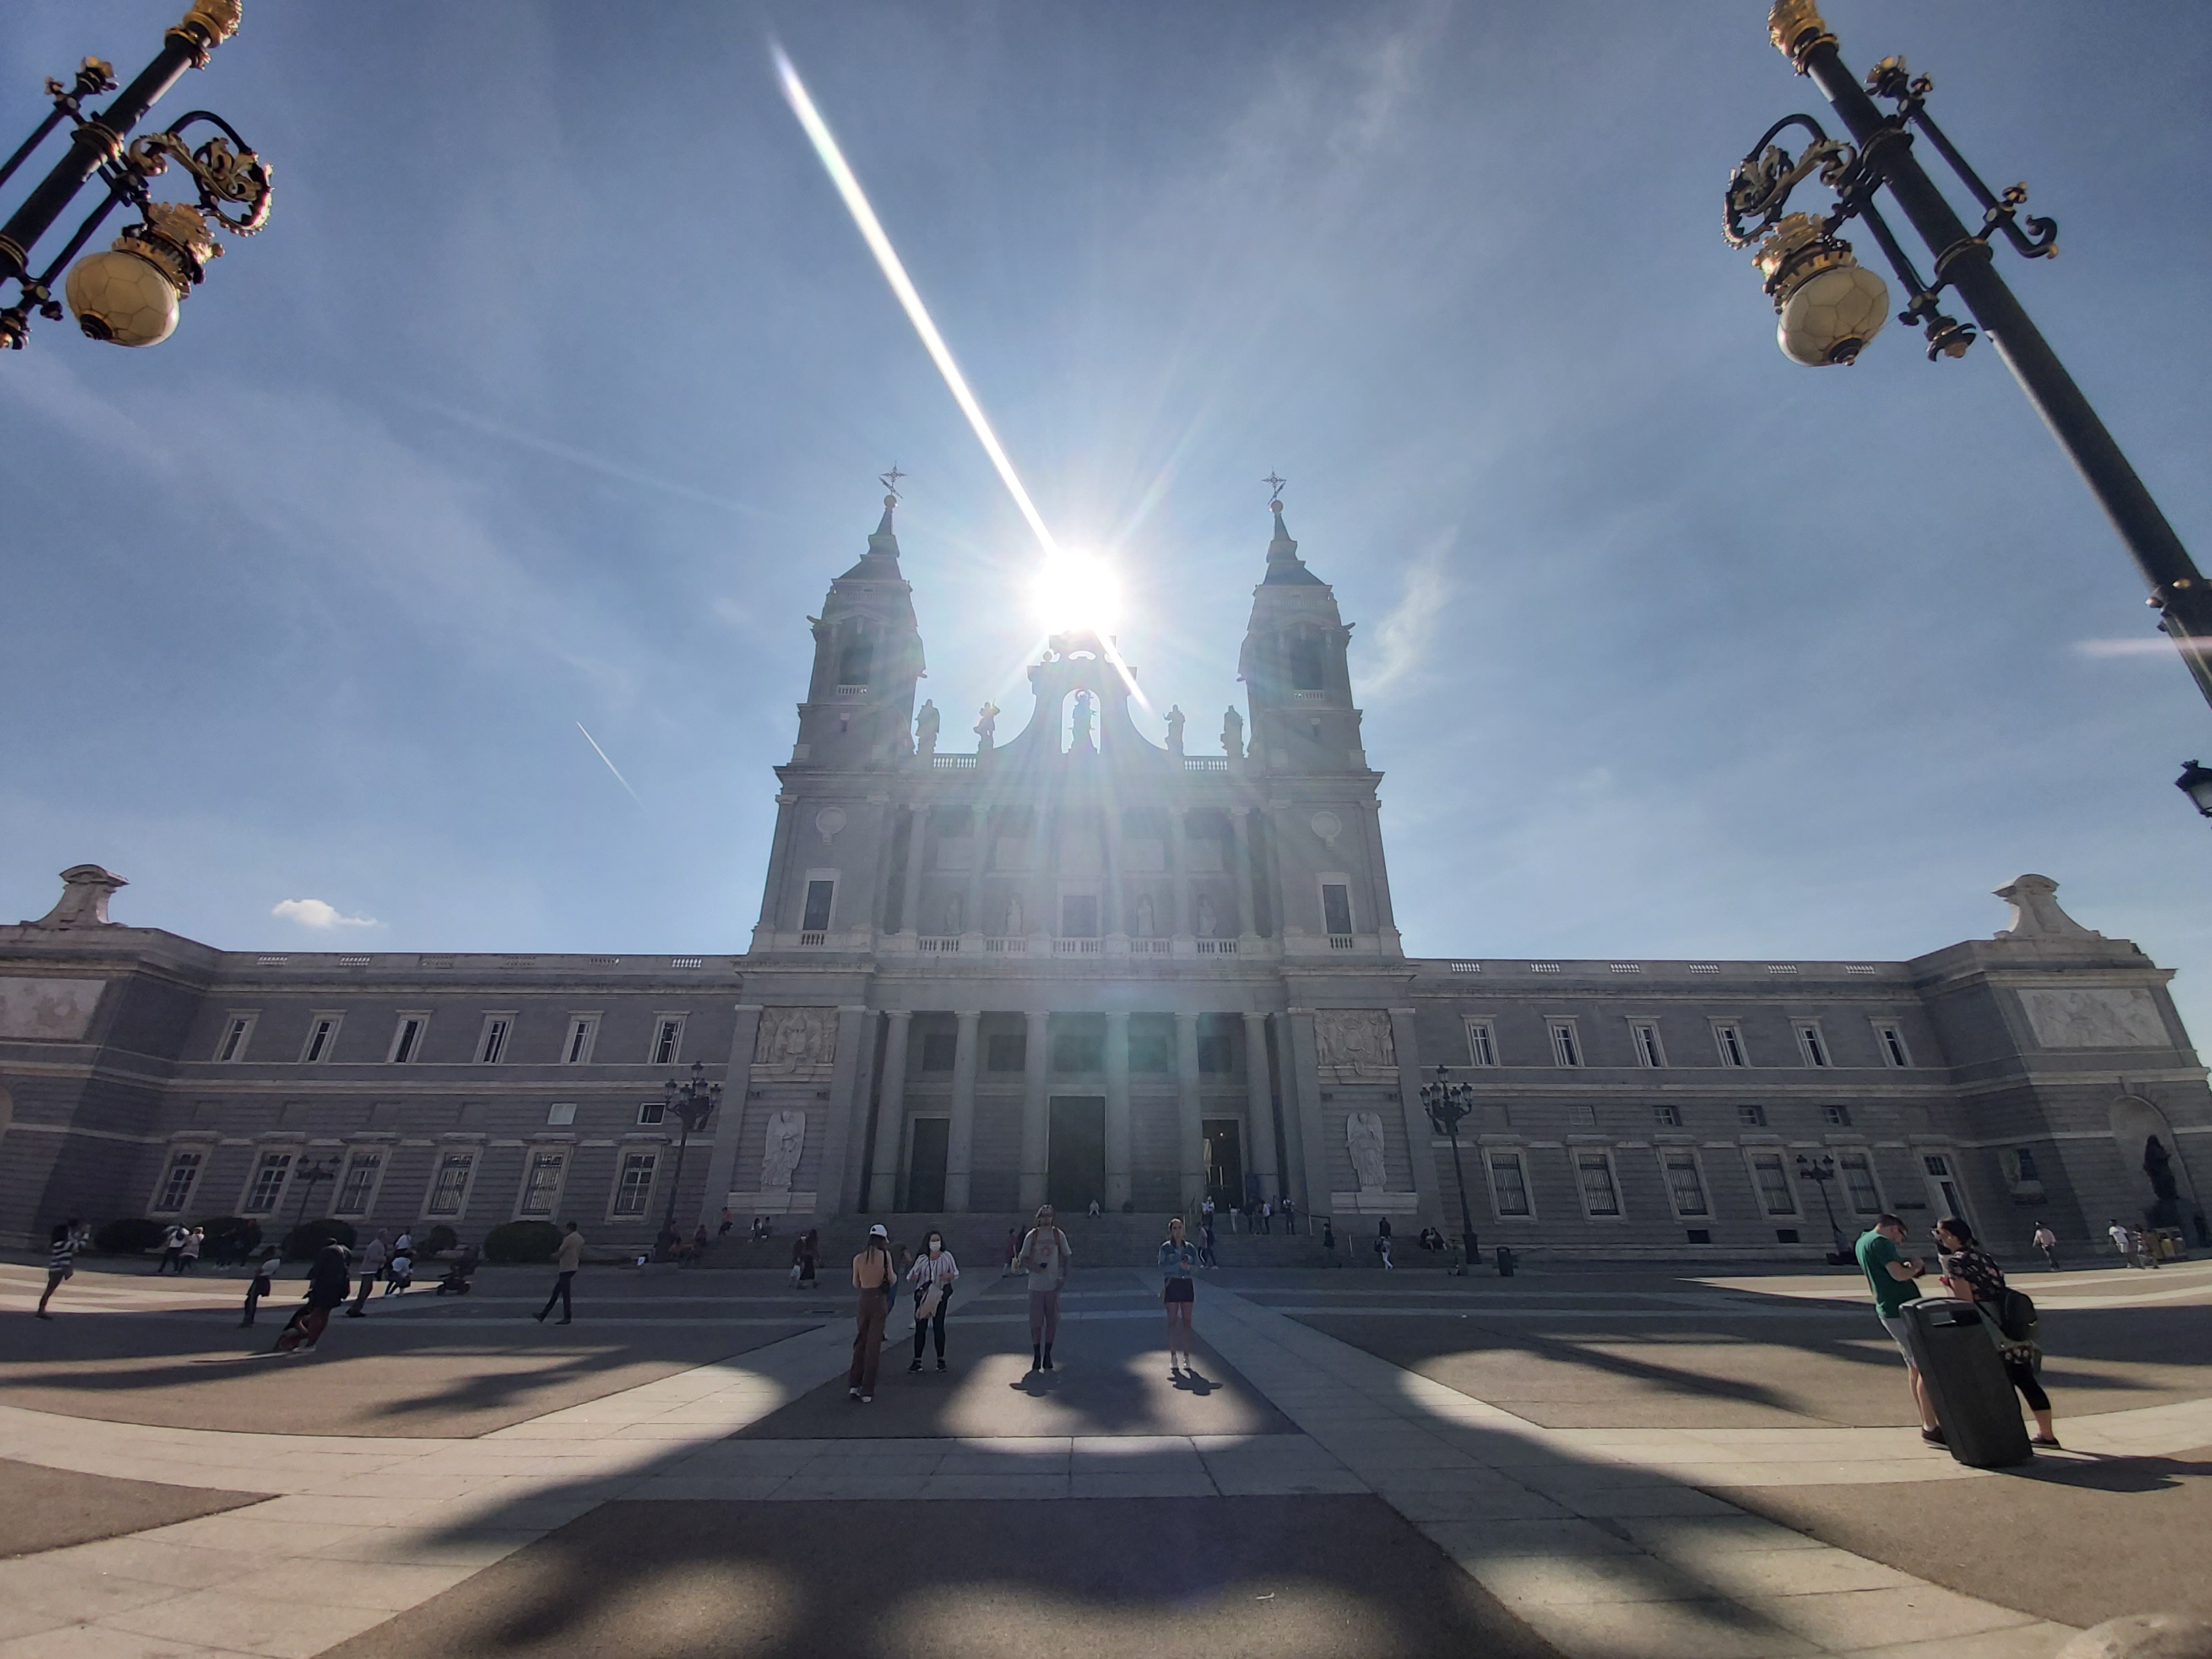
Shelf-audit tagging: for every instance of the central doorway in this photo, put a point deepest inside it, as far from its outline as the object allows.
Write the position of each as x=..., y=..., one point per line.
x=924, y=1178
x=1224, y=1161
x=1075, y=1151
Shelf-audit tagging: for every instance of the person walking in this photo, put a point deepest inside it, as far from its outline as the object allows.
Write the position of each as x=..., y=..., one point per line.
x=172, y=1249
x=373, y=1256
x=327, y=1284
x=67, y=1238
x=188, y=1254
x=2123, y=1241
x=2047, y=1242
x=875, y=1279
x=1328, y=1238
x=931, y=1276
x=1971, y=1273
x=1205, y=1243
x=1290, y=1215
x=1178, y=1292
x=1893, y=1280
x=265, y=1281
x=566, y=1260
x=1043, y=1255
x=1383, y=1240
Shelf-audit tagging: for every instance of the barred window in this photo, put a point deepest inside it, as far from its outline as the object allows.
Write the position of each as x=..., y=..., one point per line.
x=1686, y=1184
x=177, y=1181
x=268, y=1183
x=1601, y=1196
x=450, y=1186
x=1773, y=1182
x=1510, y=1183
x=358, y=1183
x=1858, y=1184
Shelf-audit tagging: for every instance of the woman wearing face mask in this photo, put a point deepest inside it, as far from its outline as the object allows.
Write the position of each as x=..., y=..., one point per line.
x=931, y=1276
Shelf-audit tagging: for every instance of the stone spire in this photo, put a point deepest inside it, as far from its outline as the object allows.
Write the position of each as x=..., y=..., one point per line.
x=880, y=562
x=1284, y=565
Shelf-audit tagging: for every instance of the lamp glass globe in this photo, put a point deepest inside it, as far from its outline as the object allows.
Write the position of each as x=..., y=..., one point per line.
x=122, y=298
x=1833, y=315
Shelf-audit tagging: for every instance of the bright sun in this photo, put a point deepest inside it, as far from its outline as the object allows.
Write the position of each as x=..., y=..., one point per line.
x=1076, y=591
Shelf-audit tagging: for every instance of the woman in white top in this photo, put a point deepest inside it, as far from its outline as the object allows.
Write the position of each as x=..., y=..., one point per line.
x=931, y=1276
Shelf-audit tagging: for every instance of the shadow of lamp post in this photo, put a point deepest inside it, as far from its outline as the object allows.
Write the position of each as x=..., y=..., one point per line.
x=1448, y=1104
x=691, y=1103
x=1830, y=305
x=1820, y=1172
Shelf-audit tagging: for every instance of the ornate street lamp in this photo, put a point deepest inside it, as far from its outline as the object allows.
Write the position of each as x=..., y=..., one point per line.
x=1448, y=1104
x=128, y=295
x=1821, y=1171
x=1829, y=306
x=692, y=1103
x=2196, y=782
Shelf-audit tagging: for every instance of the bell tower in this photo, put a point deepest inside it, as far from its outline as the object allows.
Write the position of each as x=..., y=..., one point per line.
x=1295, y=671
x=858, y=710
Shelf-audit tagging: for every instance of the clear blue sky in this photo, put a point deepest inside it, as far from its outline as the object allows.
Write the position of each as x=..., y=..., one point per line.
x=555, y=390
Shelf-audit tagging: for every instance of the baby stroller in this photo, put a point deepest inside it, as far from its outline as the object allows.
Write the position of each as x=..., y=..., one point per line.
x=456, y=1281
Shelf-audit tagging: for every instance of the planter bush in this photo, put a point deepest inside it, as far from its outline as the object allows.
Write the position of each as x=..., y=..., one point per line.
x=128, y=1235
x=439, y=1237
x=522, y=1241
x=301, y=1243
x=231, y=1238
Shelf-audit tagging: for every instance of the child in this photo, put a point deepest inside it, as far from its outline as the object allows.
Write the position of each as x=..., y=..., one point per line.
x=399, y=1272
x=265, y=1281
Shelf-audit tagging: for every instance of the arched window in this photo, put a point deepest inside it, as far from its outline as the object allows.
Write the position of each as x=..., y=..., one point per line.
x=857, y=661
x=1307, y=664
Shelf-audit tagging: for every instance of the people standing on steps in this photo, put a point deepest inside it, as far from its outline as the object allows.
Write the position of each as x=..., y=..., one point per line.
x=1971, y=1273
x=327, y=1284
x=373, y=1255
x=265, y=1281
x=67, y=1238
x=2047, y=1242
x=1043, y=1256
x=1894, y=1279
x=566, y=1262
x=875, y=1282
x=931, y=1276
x=1178, y=1292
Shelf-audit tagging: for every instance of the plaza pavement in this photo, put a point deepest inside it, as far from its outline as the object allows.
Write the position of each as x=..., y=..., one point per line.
x=1593, y=1462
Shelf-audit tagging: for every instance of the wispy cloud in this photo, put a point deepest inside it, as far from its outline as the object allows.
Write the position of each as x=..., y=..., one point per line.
x=316, y=914
x=1402, y=639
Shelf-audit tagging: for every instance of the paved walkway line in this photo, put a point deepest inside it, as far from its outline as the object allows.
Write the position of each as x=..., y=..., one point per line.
x=1605, y=1559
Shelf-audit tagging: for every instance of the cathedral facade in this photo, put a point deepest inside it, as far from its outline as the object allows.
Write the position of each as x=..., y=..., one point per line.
x=1072, y=965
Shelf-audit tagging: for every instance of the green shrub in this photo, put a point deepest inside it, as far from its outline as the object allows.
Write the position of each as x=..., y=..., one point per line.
x=128, y=1235
x=231, y=1238
x=522, y=1241
x=439, y=1237
x=309, y=1237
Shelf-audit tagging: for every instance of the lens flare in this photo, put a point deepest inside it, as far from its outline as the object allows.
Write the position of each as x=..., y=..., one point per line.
x=1075, y=591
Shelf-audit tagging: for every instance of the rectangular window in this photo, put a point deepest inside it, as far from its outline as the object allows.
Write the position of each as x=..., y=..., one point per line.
x=634, y=1187
x=1078, y=1051
x=235, y=1030
x=358, y=1184
x=541, y=1187
x=939, y=1050
x=1645, y=1033
x=449, y=1188
x=1078, y=915
x=322, y=1037
x=1773, y=1180
x=1836, y=1117
x=1565, y=1050
x=1006, y=1051
x=1865, y=1198
x=1810, y=1043
x=492, y=1043
x=563, y=1112
x=667, y=1042
x=1151, y=1044
x=1685, y=1185
x=1216, y=1051
x=816, y=919
x=2023, y=1162
x=1509, y=1184
x=651, y=1111
x=1731, y=1045
x=407, y=1038
x=1668, y=1117
x=583, y=1031
x=1481, y=1044
x=1600, y=1195
x=1751, y=1117
x=268, y=1183
x=1336, y=907
x=1892, y=1046
x=177, y=1181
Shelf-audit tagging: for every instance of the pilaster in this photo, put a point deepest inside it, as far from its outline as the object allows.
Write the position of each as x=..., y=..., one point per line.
x=960, y=1134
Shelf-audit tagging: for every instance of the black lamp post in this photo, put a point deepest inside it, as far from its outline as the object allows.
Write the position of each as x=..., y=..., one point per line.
x=1448, y=1104
x=129, y=294
x=692, y=1103
x=1821, y=1171
x=2196, y=782
x=1830, y=306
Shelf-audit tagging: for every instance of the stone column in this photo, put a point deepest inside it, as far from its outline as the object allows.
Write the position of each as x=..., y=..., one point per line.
x=960, y=1136
x=1420, y=1154
x=1259, y=1105
x=729, y=1119
x=1190, y=1131
x=1305, y=1069
x=1035, y=1119
x=891, y=1114
x=1117, y=1110
x=1179, y=843
x=910, y=898
x=1241, y=859
x=837, y=1187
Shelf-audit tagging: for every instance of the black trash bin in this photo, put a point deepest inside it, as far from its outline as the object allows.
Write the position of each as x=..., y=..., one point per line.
x=1967, y=1383
x=1506, y=1262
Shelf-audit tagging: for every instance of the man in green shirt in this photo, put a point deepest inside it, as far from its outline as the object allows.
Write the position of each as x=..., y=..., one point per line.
x=1891, y=1277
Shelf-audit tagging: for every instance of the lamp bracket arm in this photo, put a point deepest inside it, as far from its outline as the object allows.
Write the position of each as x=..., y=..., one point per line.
x=225, y=168
x=1759, y=187
x=2000, y=209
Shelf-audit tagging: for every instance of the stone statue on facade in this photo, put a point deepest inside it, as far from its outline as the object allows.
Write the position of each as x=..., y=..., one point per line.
x=2157, y=1165
x=955, y=914
x=1355, y=1040
x=1174, y=730
x=925, y=729
x=1143, y=915
x=1363, y=1140
x=987, y=724
x=1207, y=920
x=1084, y=710
x=796, y=1040
x=787, y=1140
x=1014, y=917
x=1232, y=734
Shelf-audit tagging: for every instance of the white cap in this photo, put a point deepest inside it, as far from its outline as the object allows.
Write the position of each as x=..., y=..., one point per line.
x=879, y=1231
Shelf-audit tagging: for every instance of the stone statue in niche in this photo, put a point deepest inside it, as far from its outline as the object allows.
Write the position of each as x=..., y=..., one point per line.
x=925, y=729
x=1014, y=917
x=1174, y=730
x=987, y=724
x=1085, y=711
x=1363, y=1139
x=1143, y=915
x=786, y=1140
x=1232, y=734
x=1356, y=1040
x=2157, y=1165
x=955, y=914
x=1208, y=922
x=795, y=1041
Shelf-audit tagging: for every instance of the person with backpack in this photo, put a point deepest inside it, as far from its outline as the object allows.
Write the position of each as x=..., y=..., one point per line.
x=875, y=1277
x=172, y=1249
x=327, y=1284
x=1972, y=1275
x=67, y=1239
x=2047, y=1242
x=1044, y=1257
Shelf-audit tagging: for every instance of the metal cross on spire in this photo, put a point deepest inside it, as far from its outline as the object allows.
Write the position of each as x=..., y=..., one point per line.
x=1274, y=482
x=890, y=479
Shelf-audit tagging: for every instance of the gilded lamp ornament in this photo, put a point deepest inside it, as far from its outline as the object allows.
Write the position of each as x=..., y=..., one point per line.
x=1827, y=305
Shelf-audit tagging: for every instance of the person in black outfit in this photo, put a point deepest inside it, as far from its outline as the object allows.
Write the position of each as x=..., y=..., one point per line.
x=1969, y=1272
x=327, y=1284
